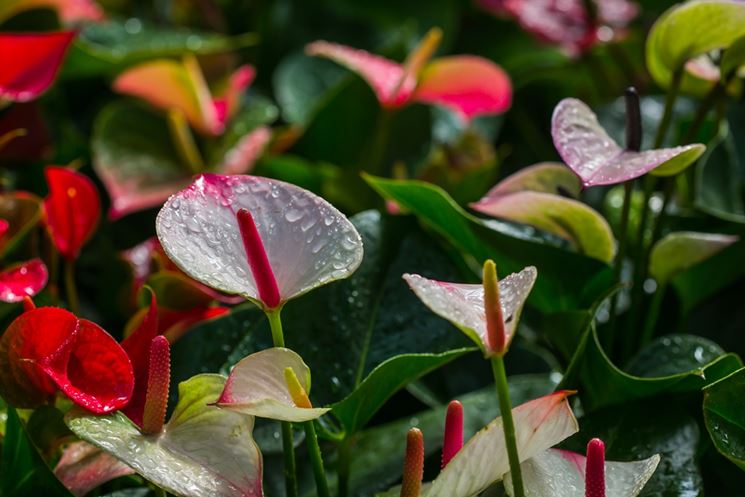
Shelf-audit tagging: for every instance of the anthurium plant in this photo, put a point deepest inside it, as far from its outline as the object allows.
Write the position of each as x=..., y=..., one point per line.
x=356, y=249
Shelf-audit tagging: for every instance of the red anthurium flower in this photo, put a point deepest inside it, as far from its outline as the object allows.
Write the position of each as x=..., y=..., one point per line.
x=4, y=227
x=566, y=22
x=30, y=63
x=72, y=208
x=22, y=280
x=48, y=348
x=466, y=84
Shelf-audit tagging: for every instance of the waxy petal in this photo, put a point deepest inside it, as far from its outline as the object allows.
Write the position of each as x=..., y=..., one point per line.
x=23, y=280
x=240, y=159
x=169, y=84
x=227, y=102
x=384, y=76
x=30, y=63
x=680, y=250
x=257, y=386
x=466, y=84
x=308, y=242
x=72, y=209
x=559, y=473
x=84, y=467
x=92, y=369
x=463, y=304
x=570, y=219
x=48, y=346
x=539, y=425
x=68, y=11
x=204, y=451
x=598, y=160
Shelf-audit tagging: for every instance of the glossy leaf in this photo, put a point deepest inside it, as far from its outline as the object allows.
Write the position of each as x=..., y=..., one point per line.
x=544, y=177
x=72, y=209
x=23, y=471
x=203, y=451
x=678, y=251
x=539, y=425
x=574, y=221
x=688, y=30
x=257, y=386
x=167, y=84
x=22, y=280
x=512, y=248
x=30, y=63
x=308, y=242
x=356, y=410
x=598, y=160
x=463, y=304
x=560, y=473
x=733, y=58
x=468, y=85
x=724, y=416
x=84, y=467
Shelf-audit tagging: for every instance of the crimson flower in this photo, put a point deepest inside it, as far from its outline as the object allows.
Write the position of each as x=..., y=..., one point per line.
x=30, y=63
x=47, y=349
x=72, y=209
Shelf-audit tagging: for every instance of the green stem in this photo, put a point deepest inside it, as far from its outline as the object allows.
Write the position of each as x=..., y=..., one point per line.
x=159, y=492
x=505, y=408
x=652, y=314
x=71, y=291
x=620, y=255
x=316, y=459
x=184, y=141
x=667, y=115
x=288, y=445
x=344, y=467
x=379, y=144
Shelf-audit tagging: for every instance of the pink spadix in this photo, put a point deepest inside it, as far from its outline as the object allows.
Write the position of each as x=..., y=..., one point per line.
x=595, y=469
x=158, y=381
x=453, y=437
x=258, y=261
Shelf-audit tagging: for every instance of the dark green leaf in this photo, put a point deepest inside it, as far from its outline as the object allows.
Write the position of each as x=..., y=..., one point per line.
x=725, y=417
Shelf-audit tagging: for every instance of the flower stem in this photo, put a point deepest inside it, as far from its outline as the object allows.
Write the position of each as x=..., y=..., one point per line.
x=380, y=142
x=344, y=466
x=184, y=141
x=71, y=291
x=159, y=492
x=316, y=459
x=288, y=446
x=667, y=114
x=652, y=314
x=620, y=255
x=505, y=408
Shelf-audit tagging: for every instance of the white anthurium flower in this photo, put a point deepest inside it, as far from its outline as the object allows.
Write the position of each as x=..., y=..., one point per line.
x=560, y=473
x=463, y=304
x=266, y=240
x=597, y=159
x=259, y=386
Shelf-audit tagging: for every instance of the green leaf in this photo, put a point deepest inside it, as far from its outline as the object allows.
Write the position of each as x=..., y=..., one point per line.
x=733, y=58
x=687, y=31
x=358, y=408
x=601, y=383
x=562, y=275
x=674, y=354
x=105, y=48
x=23, y=471
x=202, y=451
x=681, y=250
x=725, y=418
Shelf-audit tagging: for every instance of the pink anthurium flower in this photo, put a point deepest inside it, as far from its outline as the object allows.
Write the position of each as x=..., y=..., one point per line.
x=566, y=23
x=263, y=239
x=463, y=305
x=48, y=349
x=22, y=280
x=262, y=386
x=452, y=440
x=466, y=84
x=598, y=160
x=180, y=85
x=31, y=61
x=84, y=467
x=72, y=209
x=69, y=11
x=560, y=473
